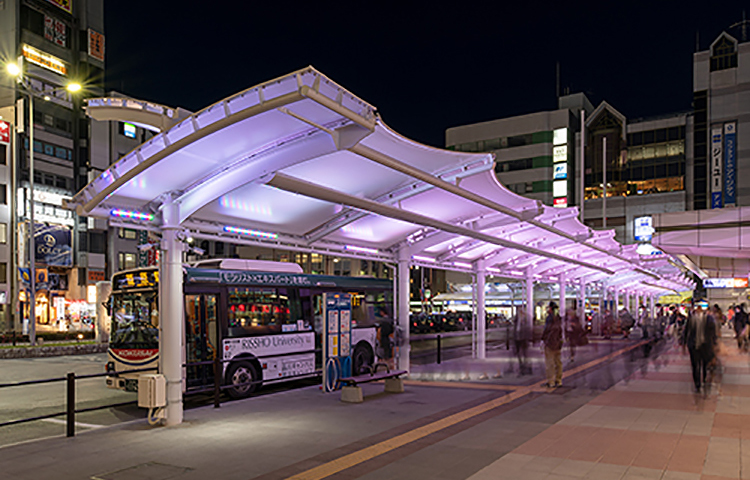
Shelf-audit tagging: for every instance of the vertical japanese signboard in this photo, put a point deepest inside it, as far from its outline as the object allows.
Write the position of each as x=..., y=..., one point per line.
x=337, y=338
x=717, y=160
x=96, y=45
x=560, y=167
x=730, y=164
x=4, y=133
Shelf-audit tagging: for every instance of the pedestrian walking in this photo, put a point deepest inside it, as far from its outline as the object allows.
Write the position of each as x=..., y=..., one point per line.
x=552, y=340
x=699, y=337
x=573, y=332
x=521, y=338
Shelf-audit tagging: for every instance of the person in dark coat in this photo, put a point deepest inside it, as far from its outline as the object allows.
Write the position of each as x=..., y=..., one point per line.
x=552, y=338
x=699, y=337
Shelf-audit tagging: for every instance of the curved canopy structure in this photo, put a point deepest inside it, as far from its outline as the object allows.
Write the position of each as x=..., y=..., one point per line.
x=301, y=163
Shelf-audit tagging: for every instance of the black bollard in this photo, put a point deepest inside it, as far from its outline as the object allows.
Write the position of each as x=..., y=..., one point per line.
x=438, y=349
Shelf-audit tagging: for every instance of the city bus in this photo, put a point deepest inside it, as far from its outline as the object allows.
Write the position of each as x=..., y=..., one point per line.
x=266, y=318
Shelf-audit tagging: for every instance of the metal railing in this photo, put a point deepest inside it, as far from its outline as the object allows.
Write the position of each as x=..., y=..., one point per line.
x=70, y=398
x=70, y=395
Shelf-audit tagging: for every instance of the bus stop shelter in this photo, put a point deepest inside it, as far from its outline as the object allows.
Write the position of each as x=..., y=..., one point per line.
x=300, y=163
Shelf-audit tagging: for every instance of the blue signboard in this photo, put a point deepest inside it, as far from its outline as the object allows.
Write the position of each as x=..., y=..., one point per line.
x=716, y=167
x=730, y=164
x=53, y=245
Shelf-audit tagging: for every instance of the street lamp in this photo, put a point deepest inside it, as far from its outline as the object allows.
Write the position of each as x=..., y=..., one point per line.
x=15, y=70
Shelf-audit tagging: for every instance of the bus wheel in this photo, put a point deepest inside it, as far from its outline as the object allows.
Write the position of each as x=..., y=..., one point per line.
x=241, y=373
x=361, y=359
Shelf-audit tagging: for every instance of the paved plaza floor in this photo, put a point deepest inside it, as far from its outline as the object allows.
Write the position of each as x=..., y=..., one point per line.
x=624, y=412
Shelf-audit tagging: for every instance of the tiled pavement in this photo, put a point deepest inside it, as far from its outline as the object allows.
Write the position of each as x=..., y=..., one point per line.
x=649, y=426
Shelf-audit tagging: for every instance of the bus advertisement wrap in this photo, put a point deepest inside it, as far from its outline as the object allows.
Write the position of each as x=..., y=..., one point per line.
x=267, y=345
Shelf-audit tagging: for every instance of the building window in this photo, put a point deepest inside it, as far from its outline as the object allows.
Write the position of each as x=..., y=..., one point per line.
x=3, y=194
x=128, y=233
x=125, y=261
x=97, y=242
x=3, y=233
x=3, y=272
x=3, y=154
x=723, y=54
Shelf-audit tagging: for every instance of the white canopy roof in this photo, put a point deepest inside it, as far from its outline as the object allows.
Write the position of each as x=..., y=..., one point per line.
x=300, y=163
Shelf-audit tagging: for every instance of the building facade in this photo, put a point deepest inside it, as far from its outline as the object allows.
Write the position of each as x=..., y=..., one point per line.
x=54, y=43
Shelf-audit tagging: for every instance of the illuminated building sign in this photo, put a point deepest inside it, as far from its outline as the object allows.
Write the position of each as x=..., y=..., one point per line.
x=716, y=168
x=644, y=229
x=560, y=188
x=128, y=129
x=66, y=5
x=560, y=154
x=560, y=167
x=96, y=45
x=560, y=136
x=44, y=60
x=725, y=282
x=730, y=147
x=4, y=132
x=560, y=171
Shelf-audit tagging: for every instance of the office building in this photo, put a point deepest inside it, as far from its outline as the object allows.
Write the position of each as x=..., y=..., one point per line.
x=54, y=43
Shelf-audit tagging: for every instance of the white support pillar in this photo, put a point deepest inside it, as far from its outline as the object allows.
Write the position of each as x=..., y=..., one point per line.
x=582, y=301
x=562, y=297
x=481, y=334
x=616, y=301
x=171, y=334
x=403, y=307
x=529, y=299
x=637, y=308
x=627, y=302
x=652, y=309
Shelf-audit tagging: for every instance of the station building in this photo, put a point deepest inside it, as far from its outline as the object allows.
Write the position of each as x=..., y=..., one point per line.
x=658, y=169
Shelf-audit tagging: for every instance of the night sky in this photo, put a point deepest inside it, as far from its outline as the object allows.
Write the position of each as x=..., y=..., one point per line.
x=425, y=68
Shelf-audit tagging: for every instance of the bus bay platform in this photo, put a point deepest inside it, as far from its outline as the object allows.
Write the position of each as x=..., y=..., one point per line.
x=619, y=415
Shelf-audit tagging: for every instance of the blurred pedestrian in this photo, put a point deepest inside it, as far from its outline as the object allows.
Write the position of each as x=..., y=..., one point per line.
x=521, y=338
x=385, y=333
x=741, y=326
x=552, y=338
x=573, y=332
x=699, y=337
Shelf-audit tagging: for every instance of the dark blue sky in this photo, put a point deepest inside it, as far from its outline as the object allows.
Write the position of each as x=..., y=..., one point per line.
x=425, y=67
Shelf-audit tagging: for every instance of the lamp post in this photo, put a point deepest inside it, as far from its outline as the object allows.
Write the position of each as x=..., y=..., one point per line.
x=16, y=70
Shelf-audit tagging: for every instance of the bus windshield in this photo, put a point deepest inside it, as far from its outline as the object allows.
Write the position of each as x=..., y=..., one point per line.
x=135, y=320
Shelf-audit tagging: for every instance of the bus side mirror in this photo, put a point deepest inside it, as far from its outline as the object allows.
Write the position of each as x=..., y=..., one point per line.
x=107, y=304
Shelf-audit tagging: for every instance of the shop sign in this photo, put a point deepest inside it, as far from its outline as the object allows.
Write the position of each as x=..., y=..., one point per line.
x=4, y=132
x=739, y=282
x=644, y=229
x=716, y=168
x=730, y=164
x=55, y=31
x=66, y=5
x=96, y=276
x=560, y=136
x=560, y=154
x=44, y=60
x=96, y=45
x=53, y=245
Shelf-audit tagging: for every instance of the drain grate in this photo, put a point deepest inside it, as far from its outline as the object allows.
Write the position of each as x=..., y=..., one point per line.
x=145, y=471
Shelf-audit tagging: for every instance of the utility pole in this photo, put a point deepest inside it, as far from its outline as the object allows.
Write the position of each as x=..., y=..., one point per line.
x=604, y=178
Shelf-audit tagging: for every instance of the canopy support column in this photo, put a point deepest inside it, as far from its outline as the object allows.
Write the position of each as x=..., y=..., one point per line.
x=582, y=301
x=171, y=333
x=616, y=302
x=481, y=324
x=562, y=297
x=529, y=299
x=652, y=310
x=403, y=308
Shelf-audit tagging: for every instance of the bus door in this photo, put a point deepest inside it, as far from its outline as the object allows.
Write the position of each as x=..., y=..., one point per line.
x=201, y=336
